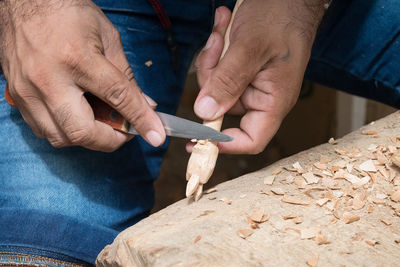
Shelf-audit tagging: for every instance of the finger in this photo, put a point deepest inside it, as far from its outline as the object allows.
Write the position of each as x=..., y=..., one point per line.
x=210, y=54
x=189, y=147
x=37, y=116
x=256, y=130
x=75, y=117
x=103, y=79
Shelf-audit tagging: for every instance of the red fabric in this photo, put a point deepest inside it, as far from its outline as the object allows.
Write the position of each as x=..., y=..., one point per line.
x=161, y=14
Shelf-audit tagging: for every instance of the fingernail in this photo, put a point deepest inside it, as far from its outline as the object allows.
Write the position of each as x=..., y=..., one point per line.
x=217, y=18
x=206, y=108
x=149, y=100
x=210, y=42
x=154, y=138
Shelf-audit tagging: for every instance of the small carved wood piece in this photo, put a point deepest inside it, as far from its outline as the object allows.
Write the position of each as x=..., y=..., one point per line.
x=205, y=153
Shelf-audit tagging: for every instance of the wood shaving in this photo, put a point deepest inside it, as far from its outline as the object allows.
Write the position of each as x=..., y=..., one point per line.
x=295, y=201
x=298, y=167
x=397, y=241
x=264, y=218
x=289, y=216
x=322, y=239
x=300, y=182
x=212, y=198
x=371, y=242
x=324, y=159
x=340, y=151
x=264, y=191
x=310, y=178
x=298, y=220
x=211, y=190
x=205, y=213
x=381, y=158
x=257, y=215
x=198, y=193
x=254, y=225
x=308, y=233
x=322, y=201
x=331, y=141
x=349, y=217
x=313, y=261
x=386, y=222
x=269, y=180
x=277, y=191
x=226, y=201
x=197, y=239
x=289, y=179
x=242, y=196
x=368, y=166
x=277, y=171
x=370, y=209
x=395, y=196
x=320, y=166
x=369, y=132
x=244, y=233
x=148, y=63
x=396, y=159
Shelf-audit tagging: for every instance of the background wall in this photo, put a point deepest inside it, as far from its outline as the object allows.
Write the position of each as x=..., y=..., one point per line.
x=319, y=114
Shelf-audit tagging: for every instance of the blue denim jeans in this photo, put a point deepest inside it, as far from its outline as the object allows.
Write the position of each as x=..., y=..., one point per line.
x=65, y=205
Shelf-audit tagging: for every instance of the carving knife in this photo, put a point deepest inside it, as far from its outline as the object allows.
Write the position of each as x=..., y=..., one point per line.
x=174, y=126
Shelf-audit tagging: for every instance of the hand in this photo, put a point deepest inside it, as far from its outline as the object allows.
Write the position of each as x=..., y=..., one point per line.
x=261, y=74
x=52, y=52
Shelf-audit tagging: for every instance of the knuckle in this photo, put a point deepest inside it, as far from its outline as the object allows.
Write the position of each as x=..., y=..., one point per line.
x=78, y=136
x=226, y=83
x=71, y=55
x=117, y=94
x=57, y=142
x=256, y=148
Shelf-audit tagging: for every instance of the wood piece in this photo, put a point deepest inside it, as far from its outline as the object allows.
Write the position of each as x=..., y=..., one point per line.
x=166, y=238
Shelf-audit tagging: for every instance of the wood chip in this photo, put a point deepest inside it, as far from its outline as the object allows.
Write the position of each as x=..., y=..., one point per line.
x=226, y=201
x=349, y=217
x=197, y=239
x=324, y=159
x=381, y=158
x=358, y=204
x=244, y=233
x=257, y=215
x=396, y=159
x=320, y=166
x=368, y=166
x=331, y=141
x=340, y=151
x=322, y=239
x=148, y=63
x=310, y=178
x=212, y=198
x=277, y=171
x=298, y=167
x=322, y=201
x=395, y=196
x=371, y=242
x=264, y=218
x=265, y=191
x=397, y=241
x=308, y=233
x=277, y=191
x=242, y=196
x=298, y=220
x=300, y=182
x=370, y=209
x=211, y=190
x=386, y=222
x=369, y=132
x=289, y=216
x=313, y=261
x=295, y=201
x=269, y=180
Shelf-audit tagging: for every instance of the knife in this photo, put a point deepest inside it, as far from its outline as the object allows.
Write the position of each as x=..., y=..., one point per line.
x=174, y=126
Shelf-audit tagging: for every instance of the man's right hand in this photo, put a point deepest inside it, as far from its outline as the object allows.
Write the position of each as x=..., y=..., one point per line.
x=52, y=52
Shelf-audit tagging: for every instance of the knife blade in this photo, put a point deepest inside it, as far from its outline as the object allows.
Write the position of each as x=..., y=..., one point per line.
x=179, y=127
x=174, y=126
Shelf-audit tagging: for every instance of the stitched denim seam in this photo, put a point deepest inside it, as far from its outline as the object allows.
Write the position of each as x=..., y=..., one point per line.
x=22, y=258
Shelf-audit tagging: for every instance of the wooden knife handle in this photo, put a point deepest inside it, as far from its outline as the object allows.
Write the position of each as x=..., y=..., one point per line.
x=102, y=111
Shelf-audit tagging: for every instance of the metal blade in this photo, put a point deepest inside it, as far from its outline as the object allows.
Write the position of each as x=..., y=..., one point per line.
x=178, y=127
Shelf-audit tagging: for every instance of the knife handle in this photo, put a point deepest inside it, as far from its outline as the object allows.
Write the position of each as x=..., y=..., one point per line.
x=102, y=111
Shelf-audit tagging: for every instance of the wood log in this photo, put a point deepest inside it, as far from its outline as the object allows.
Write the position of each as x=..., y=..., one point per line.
x=343, y=215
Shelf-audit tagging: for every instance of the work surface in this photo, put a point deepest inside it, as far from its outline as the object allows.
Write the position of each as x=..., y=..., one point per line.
x=332, y=205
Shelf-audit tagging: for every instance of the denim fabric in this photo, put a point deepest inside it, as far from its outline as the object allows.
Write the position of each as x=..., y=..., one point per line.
x=74, y=201
x=69, y=203
x=357, y=49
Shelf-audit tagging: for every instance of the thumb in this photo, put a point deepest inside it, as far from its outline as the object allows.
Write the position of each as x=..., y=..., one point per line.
x=228, y=80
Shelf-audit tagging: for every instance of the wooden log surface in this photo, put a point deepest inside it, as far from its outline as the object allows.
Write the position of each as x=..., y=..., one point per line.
x=349, y=214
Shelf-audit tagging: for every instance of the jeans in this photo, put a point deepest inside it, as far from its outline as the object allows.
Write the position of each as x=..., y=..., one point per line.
x=67, y=204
